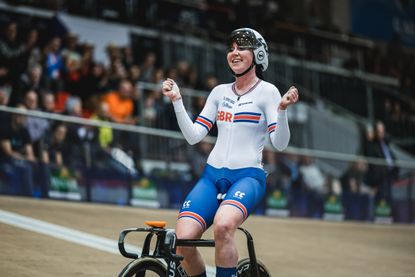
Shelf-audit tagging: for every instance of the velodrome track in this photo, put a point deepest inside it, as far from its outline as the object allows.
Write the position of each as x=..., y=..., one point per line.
x=288, y=247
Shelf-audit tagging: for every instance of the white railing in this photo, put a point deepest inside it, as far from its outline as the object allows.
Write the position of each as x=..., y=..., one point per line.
x=343, y=157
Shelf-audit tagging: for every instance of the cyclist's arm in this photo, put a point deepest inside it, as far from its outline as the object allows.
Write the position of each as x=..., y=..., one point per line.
x=277, y=120
x=196, y=131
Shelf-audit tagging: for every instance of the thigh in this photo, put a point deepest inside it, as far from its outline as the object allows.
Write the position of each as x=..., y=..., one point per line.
x=245, y=194
x=201, y=203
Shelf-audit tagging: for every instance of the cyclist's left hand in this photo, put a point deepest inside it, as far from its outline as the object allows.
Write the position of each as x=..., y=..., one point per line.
x=289, y=98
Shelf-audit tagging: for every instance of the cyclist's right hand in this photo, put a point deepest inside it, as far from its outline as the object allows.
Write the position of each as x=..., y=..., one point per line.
x=171, y=90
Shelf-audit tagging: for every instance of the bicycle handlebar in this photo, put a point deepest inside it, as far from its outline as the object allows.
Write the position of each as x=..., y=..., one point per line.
x=121, y=247
x=124, y=233
x=170, y=241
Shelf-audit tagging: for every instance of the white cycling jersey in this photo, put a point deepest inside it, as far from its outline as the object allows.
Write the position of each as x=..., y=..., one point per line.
x=243, y=123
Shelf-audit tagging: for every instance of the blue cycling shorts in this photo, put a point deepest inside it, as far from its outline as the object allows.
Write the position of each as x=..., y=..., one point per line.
x=242, y=188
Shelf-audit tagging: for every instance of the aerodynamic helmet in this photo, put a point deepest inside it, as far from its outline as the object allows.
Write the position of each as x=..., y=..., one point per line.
x=247, y=38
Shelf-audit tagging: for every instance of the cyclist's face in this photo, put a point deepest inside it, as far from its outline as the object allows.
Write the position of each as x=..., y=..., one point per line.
x=239, y=59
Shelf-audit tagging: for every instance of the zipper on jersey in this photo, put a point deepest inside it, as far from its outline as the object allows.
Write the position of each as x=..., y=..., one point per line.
x=230, y=136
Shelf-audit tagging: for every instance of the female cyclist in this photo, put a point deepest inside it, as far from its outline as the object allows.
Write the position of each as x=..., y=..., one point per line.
x=233, y=182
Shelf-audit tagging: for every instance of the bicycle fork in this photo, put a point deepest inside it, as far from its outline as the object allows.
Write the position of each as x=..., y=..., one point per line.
x=174, y=268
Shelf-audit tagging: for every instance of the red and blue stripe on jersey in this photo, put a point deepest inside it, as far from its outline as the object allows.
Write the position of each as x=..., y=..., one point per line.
x=272, y=127
x=195, y=216
x=247, y=117
x=205, y=122
x=237, y=204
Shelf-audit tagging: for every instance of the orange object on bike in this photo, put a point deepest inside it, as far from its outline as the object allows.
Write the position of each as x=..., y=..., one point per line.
x=156, y=224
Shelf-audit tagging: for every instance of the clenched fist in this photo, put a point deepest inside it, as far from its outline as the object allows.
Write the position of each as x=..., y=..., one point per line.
x=171, y=90
x=289, y=98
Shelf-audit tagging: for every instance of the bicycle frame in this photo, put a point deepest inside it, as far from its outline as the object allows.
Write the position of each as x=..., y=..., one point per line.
x=167, y=243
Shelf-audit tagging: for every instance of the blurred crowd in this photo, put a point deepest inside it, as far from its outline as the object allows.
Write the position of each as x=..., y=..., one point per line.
x=304, y=187
x=62, y=77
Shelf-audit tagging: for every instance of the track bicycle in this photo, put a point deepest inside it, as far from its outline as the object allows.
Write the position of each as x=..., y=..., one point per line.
x=164, y=262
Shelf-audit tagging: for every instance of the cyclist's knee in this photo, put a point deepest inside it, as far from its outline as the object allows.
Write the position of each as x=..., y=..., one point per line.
x=227, y=220
x=223, y=229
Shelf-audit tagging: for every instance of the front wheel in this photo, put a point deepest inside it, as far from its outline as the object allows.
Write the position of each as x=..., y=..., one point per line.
x=244, y=269
x=144, y=267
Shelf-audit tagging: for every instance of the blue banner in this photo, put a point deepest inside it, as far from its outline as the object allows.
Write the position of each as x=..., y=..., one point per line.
x=382, y=19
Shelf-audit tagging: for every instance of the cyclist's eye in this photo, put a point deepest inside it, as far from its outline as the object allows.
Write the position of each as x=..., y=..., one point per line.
x=239, y=48
x=243, y=48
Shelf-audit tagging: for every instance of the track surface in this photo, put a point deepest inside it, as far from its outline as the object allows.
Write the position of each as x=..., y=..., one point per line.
x=288, y=247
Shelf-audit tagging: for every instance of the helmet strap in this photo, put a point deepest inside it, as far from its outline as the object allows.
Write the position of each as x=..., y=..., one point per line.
x=243, y=73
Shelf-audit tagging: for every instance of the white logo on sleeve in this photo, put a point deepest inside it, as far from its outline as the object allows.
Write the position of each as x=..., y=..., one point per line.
x=186, y=204
x=239, y=194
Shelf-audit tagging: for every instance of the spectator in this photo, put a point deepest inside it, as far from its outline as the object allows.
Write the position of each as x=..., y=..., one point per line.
x=356, y=194
x=54, y=65
x=35, y=56
x=289, y=170
x=72, y=64
x=5, y=92
x=136, y=97
x=73, y=106
x=58, y=150
x=210, y=82
x=158, y=76
x=36, y=126
x=48, y=102
x=172, y=73
x=148, y=67
x=270, y=162
x=193, y=78
x=314, y=182
x=120, y=103
x=128, y=57
x=183, y=71
x=276, y=181
x=117, y=73
x=370, y=148
x=134, y=73
x=16, y=154
x=94, y=85
x=12, y=54
x=79, y=137
x=76, y=132
x=113, y=52
x=87, y=59
x=388, y=173
x=105, y=133
x=158, y=99
x=31, y=81
x=121, y=110
x=150, y=111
